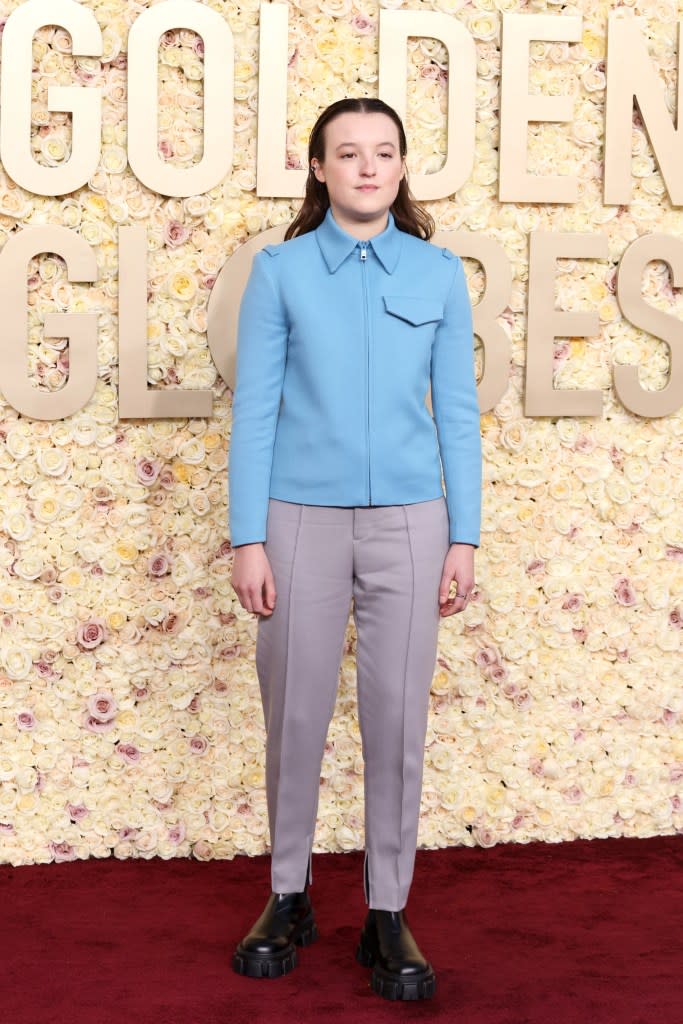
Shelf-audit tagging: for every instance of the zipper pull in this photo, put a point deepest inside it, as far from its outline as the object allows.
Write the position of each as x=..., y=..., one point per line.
x=363, y=252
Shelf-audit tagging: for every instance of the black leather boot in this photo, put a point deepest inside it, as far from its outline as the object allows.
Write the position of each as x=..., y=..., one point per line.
x=268, y=951
x=399, y=969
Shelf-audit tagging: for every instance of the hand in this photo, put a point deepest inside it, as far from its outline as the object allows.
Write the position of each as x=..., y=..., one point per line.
x=252, y=579
x=458, y=567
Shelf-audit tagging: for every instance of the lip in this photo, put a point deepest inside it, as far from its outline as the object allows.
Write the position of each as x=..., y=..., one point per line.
x=367, y=188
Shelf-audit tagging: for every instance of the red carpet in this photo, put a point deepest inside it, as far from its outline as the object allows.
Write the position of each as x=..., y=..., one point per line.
x=589, y=932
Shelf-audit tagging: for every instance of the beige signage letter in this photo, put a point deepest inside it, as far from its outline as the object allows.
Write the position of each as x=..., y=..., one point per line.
x=395, y=28
x=85, y=105
x=79, y=328
x=669, y=328
x=143, y=96
x=545, y=323
x=518, y=108
x=225, y=298
x=272, y=177
x=136, y=400
x=493, y=302
x=630, y=77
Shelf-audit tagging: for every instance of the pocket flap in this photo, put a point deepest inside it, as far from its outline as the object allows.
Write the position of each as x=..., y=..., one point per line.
x=414, y=309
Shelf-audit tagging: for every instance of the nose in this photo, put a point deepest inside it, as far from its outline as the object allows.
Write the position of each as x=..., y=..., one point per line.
x=368, y=167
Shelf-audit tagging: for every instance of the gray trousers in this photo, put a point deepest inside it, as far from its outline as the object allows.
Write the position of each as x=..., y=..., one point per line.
x=389, y=559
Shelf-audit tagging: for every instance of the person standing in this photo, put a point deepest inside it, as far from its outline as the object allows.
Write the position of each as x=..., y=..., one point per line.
x=336, y=498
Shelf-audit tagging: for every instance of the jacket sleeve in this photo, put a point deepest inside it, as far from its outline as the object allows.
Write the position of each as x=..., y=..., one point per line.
x=456, y=412
x=261, y=354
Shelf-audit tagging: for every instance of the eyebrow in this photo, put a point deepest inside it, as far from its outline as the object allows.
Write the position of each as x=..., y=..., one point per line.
x=342, y=144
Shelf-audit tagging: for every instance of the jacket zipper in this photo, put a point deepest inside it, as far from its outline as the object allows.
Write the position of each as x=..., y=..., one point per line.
x=363, y=263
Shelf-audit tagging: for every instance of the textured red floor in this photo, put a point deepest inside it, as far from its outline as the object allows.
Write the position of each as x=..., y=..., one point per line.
x=576, y=933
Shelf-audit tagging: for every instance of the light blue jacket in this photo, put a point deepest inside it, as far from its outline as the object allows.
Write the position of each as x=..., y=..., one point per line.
x=338, y=342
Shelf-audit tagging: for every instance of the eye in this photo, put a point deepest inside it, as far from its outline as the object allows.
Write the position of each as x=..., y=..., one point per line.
x=345, y=156
x=388, y=156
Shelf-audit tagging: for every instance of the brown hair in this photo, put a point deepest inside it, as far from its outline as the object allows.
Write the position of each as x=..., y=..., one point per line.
x=408, y=214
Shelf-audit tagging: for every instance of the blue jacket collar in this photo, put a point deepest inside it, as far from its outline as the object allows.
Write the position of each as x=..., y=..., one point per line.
x=336, y=244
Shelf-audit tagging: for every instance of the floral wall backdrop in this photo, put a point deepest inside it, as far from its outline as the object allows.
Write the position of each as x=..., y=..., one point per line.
x=130, y=720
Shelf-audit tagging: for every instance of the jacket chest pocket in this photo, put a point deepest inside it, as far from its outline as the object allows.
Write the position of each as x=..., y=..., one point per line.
x=415, y=311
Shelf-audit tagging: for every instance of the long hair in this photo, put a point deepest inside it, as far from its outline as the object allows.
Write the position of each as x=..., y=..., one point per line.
x=408, y=214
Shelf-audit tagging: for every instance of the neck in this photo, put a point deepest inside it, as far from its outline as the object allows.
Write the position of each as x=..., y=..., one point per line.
x=363, y=230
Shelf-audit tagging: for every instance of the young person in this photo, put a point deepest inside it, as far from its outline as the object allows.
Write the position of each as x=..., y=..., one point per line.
x=336, y=494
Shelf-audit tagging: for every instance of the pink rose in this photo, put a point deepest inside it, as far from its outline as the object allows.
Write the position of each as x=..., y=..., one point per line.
x=172, y=624
x=364, y=26
x=26, y=720
x=166, y=478
x=127, y=832
x=175, y=233
x=91, y=634
x=230, y=651
x=77, y=811
x=176, y=833
x=483, y=837
x=486, y=656
x=129, y=753
x=497, y=673
x=62, y=852
x=560, y=354
x=624, y=592
x=93, y=724
x=616, y=456
x=536, y=567
x=102, y=706
x=584, y=443
x=147, y=471
x=676, y=618
x=199, y=744
x=674, y=553
x=158, y=565
x=573, y=795
x=572, y=602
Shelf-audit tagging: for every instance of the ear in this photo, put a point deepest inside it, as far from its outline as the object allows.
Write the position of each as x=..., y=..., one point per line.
x=318, y=171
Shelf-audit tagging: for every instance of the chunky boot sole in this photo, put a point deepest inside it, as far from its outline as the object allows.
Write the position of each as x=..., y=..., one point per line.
x=274, y=965
x=395, y=986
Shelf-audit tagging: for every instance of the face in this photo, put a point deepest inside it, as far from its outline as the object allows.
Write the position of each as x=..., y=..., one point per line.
x=362, y=169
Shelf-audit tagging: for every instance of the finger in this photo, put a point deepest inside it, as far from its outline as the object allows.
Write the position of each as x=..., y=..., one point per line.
x=444, y=588
x=269, y=590
x=455, y=605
